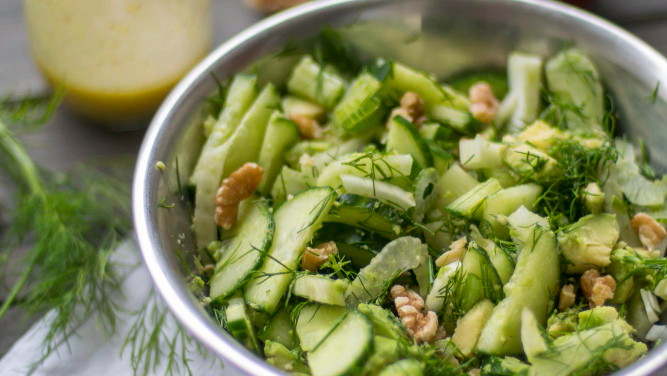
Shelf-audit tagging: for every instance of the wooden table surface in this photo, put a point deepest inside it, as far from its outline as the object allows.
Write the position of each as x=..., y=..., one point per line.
x=69, y=139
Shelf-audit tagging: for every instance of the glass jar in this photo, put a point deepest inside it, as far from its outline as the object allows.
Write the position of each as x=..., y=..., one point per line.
x=117, y=59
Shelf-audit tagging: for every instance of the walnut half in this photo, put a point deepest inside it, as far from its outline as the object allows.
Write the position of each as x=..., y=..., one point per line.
x=422, y=327
x=566, y=297
x=240, y=185
x=650, y=232
x=313, y=258
x=483, y=104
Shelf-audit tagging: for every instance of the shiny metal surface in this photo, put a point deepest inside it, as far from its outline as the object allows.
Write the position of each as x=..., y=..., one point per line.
x=441, y=36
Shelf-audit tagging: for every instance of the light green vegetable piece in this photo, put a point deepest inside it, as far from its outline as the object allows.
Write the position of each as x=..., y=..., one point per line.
x=588, y=242
x=280, y=357
x=404, y=367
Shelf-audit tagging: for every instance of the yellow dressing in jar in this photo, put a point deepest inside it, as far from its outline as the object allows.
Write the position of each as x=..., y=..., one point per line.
x=117, y=59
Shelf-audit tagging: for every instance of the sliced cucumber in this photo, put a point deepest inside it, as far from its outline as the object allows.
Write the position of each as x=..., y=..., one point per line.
x=209, y=170
x=361, y=108
x=279, y=329
x=380, y=190
x=311, y=81
x=425, y=192
x=243, y=252
x=358, y=256
x=506, y=202
x=396, y=257
x=239, y=324
x=288, y=182
x=295, y=223
x=282, y=358
x=404, y=138
x=424, y=271
x=470, y=204
x=321, y=289
x=533, y=285
x=368, y=214
x=404, y=78
x=479, y=280
x=385, y=324
x=480, y=153
x=281, y=134
x=469, y=327
x=404, y=367
x=436, y=297
x=460, y=120
x=453, y=184
x=501, y=260
x=315, y=323
x=524, y=73
x=371, y=165
x=293, y=106
x=344, y=350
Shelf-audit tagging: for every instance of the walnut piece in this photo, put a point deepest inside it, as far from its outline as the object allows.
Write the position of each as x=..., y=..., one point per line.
x=313, y=258
x=240, y=185
x=270, y=6
x=650, y=232
x=456, y=251
x=597, y=289
x=309, y=128
x=411, y=108
x=422, y=327
x=566, y=297
x=483, y=104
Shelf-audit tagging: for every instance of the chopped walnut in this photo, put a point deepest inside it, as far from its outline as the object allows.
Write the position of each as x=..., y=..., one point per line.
x=597, y=289
x=308, y=127
x=240, y=185
x=422, y=327
x=414, y=105
x=411, y=108
x=270, y=6
x=566, y=297
x=456, y=251
x=313, y=258
x=650, y=232
x=483, y=105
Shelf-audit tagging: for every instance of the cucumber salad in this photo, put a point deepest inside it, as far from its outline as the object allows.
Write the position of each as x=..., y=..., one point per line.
x=372, y=219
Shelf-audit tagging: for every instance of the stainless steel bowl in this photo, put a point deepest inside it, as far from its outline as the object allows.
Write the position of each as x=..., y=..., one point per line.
x=440, y=36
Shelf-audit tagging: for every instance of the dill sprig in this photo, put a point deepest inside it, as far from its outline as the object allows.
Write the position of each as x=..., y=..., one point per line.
x=73, y=222
x=579, y=166
x=155, y=339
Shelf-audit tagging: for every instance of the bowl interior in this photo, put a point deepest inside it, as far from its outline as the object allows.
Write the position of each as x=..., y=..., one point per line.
x=440, y=36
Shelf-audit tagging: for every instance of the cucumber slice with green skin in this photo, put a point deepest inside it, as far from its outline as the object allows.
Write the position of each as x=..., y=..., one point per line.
x=404, y=367
x=460, y=120
x=296, y=221
x=453, y=184
x=501, y=260
x=279, y=329
x=344, y=350
x=315, y=323
x=368, y=214
x=404, y=78
x=469, y=327
x=470, y=204
x=209, y=171
x=425, y=192
x=242, y=254
x=321, y=289
x=311, y=81
x=358, y=256
x=442, y=160
x=281, y=134
x=239, y=324
x=371, y=164
x=288, y=182
x=404, y=138
x=281, y=357
x=435, y=298
x=293, y=106
x=424, y=271
x=533, y=285
x=380, y=190
x=385, y=324
x=477, y=280
x=396, y=257
x=361, y=108
x=385, y=351
x=506, y=202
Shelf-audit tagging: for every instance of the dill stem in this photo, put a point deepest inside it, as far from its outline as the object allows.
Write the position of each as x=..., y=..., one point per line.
x=27, y=172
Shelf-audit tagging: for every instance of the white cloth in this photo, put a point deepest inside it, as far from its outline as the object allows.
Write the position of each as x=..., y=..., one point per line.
x=90, y=352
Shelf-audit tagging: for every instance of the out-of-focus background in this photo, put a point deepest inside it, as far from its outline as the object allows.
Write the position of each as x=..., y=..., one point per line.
x=70, y=138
